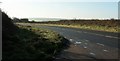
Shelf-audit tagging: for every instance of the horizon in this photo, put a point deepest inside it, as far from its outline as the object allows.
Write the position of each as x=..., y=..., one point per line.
x=58, y=19
x=63, y=10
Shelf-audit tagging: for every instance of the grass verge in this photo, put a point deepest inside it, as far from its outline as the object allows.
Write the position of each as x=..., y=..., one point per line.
x=90, y=27
x=30, y=43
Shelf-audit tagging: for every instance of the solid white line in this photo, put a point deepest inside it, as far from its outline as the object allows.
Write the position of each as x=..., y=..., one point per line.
x=112, y=37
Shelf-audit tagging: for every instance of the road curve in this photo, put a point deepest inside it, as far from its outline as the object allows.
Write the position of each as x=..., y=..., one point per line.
x=106, y=38
x=86, y=44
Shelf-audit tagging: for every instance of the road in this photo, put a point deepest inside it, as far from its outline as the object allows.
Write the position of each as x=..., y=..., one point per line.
x=88, y=44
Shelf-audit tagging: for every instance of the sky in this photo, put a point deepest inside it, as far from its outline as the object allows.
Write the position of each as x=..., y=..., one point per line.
x=83, y=9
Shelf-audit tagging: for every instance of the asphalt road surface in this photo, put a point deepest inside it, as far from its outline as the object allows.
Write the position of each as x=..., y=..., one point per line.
x=88, y=44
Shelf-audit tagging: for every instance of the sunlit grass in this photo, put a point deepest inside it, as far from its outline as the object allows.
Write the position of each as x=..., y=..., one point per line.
x=90, y=27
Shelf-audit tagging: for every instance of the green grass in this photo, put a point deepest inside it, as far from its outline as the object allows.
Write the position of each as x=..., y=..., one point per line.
x=33, y=43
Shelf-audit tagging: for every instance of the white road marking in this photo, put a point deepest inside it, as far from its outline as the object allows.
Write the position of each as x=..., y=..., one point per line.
x=71, y=39
x=105, y=50
x=100, y=44
x=98, y=34
x=108, y=36
x=92, y=53
x=78, y=42
x=85, y=47
x=86, y=40
x=112, y=37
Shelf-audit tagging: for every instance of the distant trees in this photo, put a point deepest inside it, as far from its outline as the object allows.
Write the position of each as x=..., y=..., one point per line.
x=24, y=20
x=20, y=20
x=32, y=21
x=15, y=19
x=112, y=19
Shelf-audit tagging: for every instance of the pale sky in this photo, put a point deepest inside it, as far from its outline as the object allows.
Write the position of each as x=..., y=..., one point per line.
x=61, y=8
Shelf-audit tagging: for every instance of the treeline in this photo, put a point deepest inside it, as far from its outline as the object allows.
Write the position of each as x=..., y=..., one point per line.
x=20, y=20
x=108, y=23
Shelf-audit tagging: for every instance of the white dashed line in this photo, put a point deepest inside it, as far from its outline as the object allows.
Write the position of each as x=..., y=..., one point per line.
x=85, y=47
x=71, y=39
x=105, y=50
x=78, y=42
x=100, y=44
x=92, y=53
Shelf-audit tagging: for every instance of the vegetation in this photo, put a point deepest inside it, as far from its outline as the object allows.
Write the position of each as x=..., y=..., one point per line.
x=29, y=43
x=33, y=43
x=22, y=20
x=101, y=25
